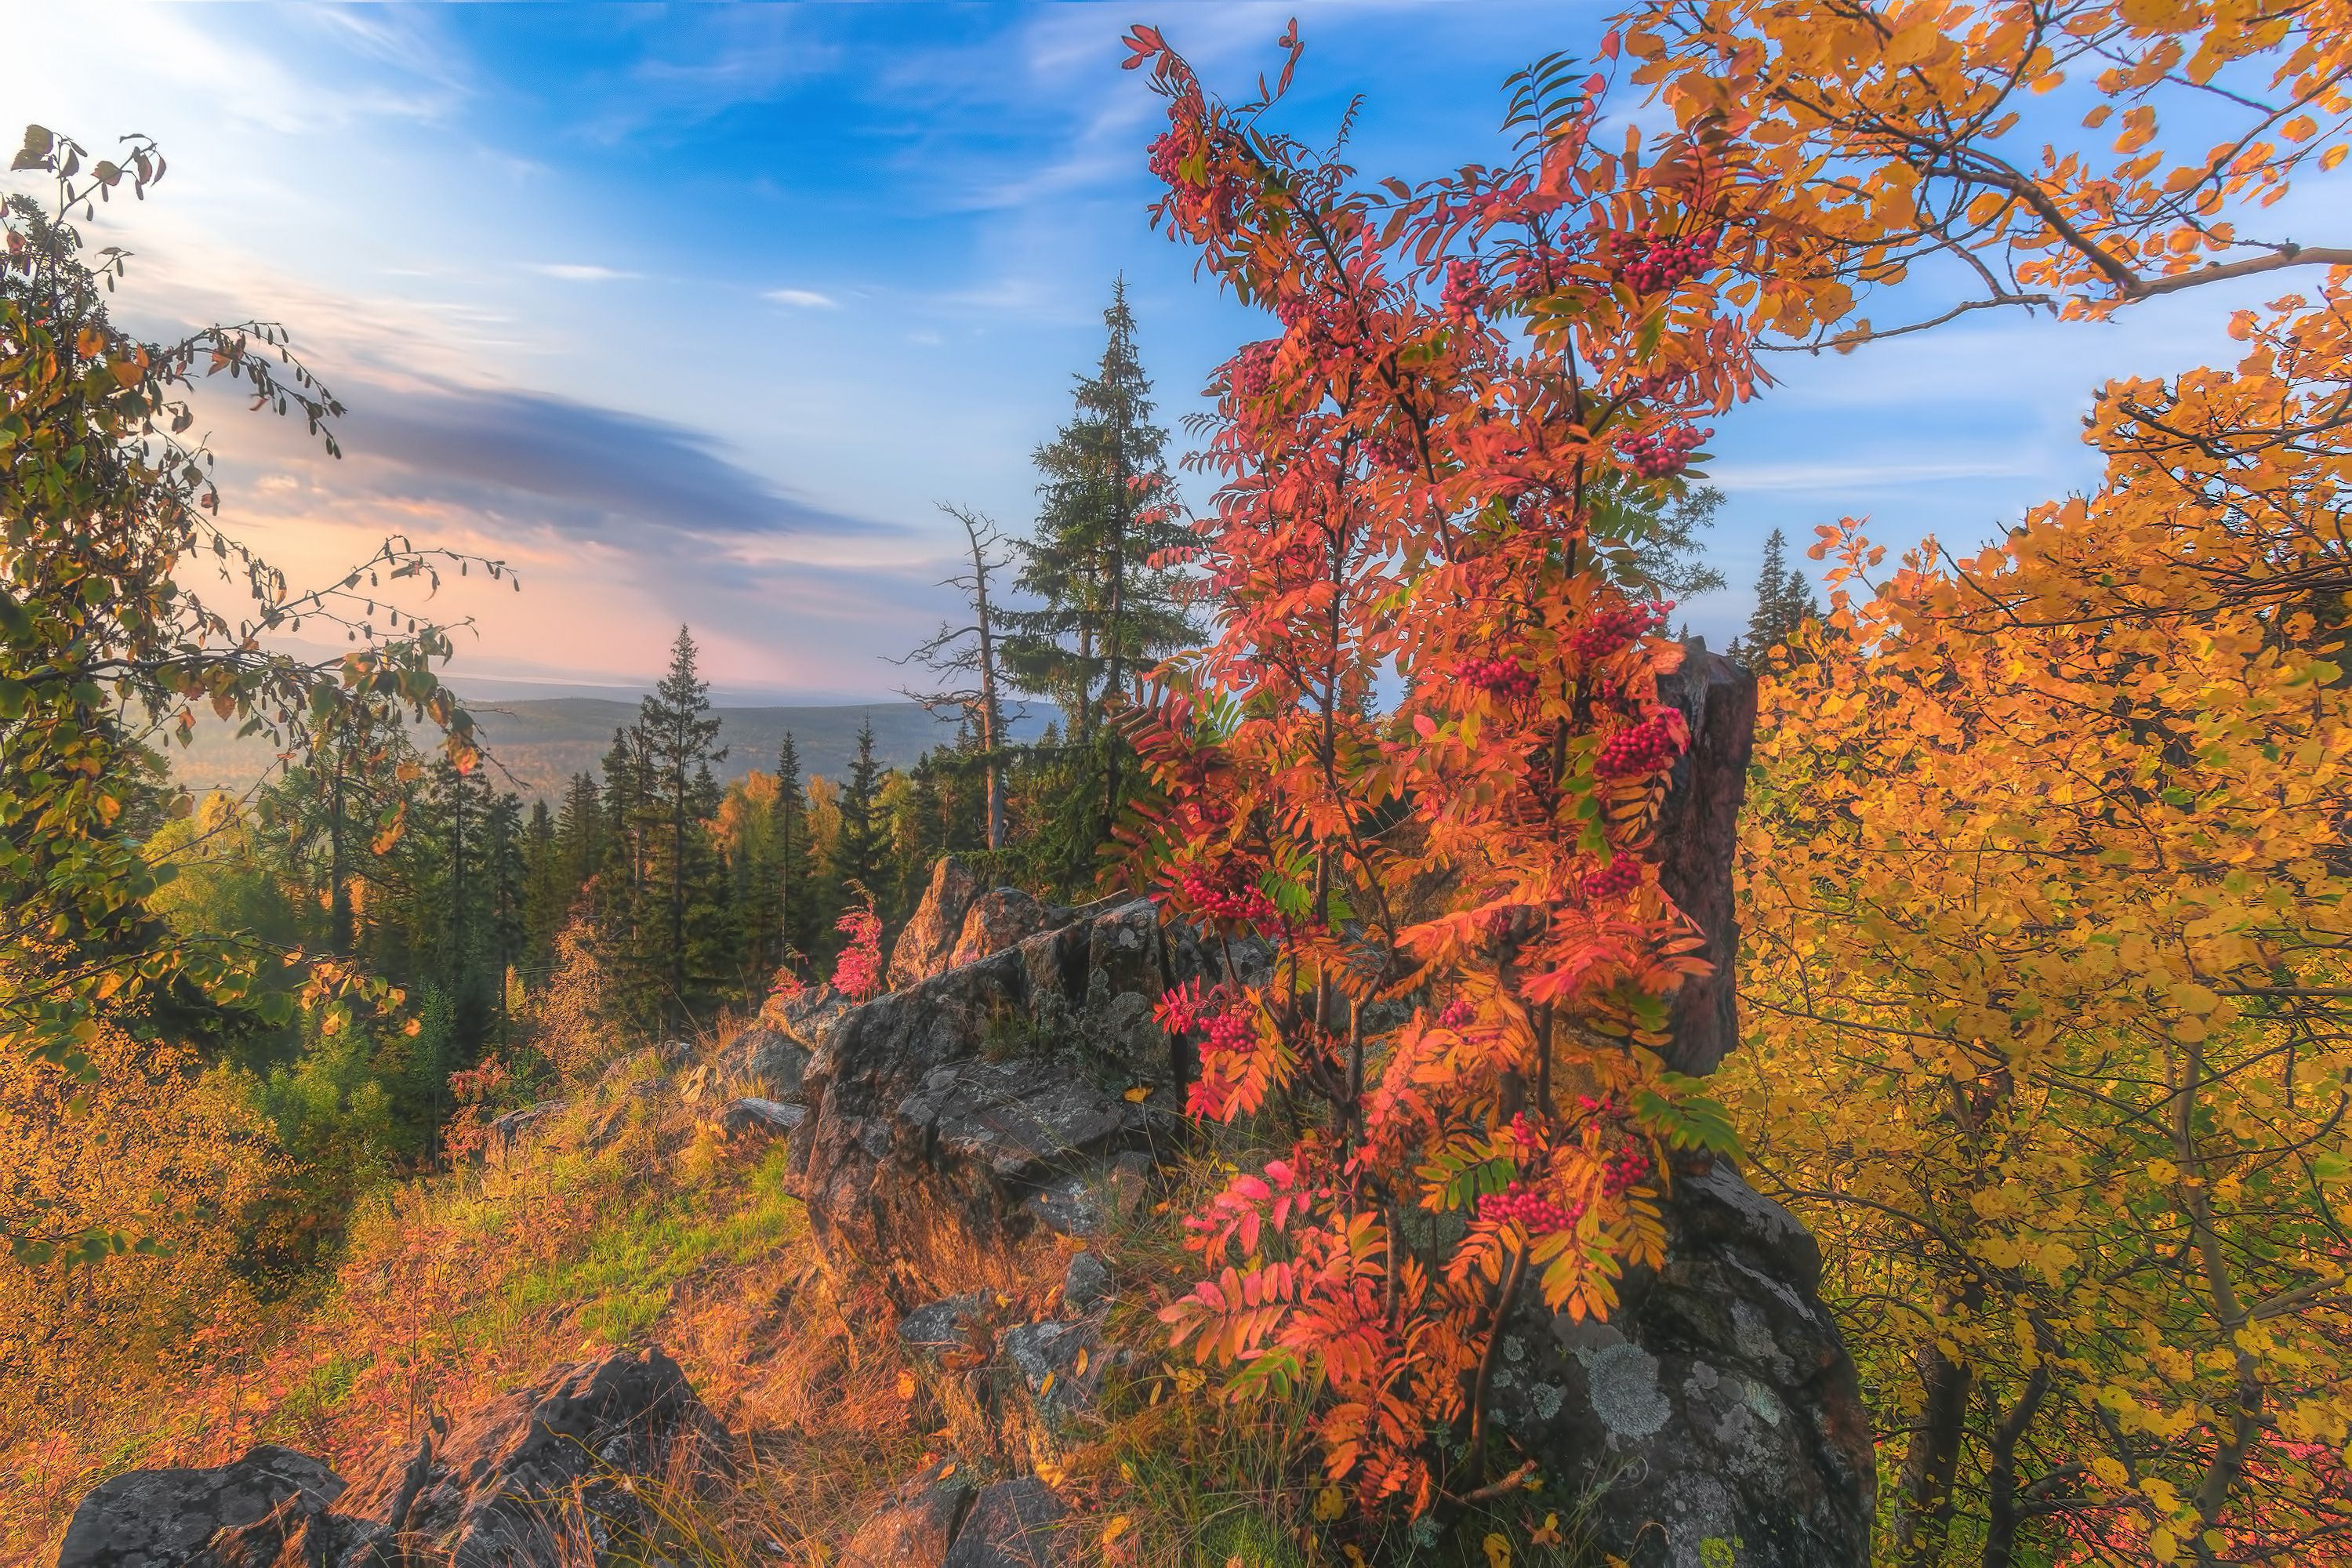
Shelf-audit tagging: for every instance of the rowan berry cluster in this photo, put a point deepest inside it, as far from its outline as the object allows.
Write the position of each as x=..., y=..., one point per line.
x=1663, y=455
x=1457, y=1013
x=1465, y=293
x=1539, y=1215
x=1505, y=677
x=1621, y=874
x=1253, y=372
x=1613, y=628
x=1397, y=449
x=1626, y=1169
x=1525, y=1133
x=1640, y=748
x=1653, y=263
x=1227, y=1032
x=1224, y=893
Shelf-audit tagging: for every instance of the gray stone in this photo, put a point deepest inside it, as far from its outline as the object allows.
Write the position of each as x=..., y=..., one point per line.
x=1006, y=917
x=1052, y=1375
x=1085, y=1283
x=924, y=946
x=1716, y=1403
x=1014, y=1524
x=918, y=1526
x=508, y=1135
x=754, y=1117
x=957, y=1125
x=549, y=1470
x=230, y=1516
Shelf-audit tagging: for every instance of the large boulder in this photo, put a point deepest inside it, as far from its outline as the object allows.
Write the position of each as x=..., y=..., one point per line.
x=918, y=1526
x=242, y=1515
x=1717, y=1405
x=1002, y=918
x=764, y=1062
x=547, y=1473
x=955, y=1126
x=1014, y=1524
x=923, y=948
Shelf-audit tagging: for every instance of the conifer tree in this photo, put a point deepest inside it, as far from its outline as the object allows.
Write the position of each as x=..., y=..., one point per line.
x=1107, y=612
x=793, y=856
x=861, y=853
x=1784, y=600
x=682, y=886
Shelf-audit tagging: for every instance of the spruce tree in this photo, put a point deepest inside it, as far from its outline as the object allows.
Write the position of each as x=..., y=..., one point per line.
x=681, y=885
x=794, y=860
x=861, y=853
x=1107, y=613
x=1784, y=600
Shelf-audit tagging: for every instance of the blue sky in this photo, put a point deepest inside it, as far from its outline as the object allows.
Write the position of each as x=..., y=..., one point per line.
x=694, y=314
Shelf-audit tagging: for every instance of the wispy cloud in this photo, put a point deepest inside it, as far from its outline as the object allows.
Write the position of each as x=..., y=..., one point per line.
x=578, y=271
x=1834, y=478
x=526, y=463
x=806, y=299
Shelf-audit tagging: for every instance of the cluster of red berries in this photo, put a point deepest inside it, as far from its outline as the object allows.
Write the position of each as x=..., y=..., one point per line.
x=1397, y=449
x=1465, y=293
x=1621, y=874
x=1228, y=1032
x=1525, y=1133
x=1653, y=263
x=1613, y=628
x=1226, y=895
x=1253, y=372
x=1626, y=1169
x=1457, y=1013
x=1537, y=1213
x=1505, y=677
x=1665, y=454
x=1640, y=748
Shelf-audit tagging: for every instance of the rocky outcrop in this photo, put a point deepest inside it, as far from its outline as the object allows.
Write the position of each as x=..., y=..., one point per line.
x=1717, y=1405
x=1697, y=837
x=764, y=1062
x=545, y=1470
x=270, y=1504
x=999, y=919
x=956, y=1126
x=751, y=1117
x=1014, y=1524
x=542, y=1475
x=916, y=1528
x=923, y=948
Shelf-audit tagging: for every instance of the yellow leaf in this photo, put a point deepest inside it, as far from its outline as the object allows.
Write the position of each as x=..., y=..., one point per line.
x=1118, y=1526
x=905, y=1385
x=1330, y=1504
x=1047, y=1385
x=1498, y=1551
x=1138, y=1094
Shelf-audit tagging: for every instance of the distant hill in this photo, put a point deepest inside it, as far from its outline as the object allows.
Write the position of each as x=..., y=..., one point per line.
x=540, y=742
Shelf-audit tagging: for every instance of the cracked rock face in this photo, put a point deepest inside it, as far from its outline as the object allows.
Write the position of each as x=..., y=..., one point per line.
x=1717, y=1406
x=957, y=1126
x=230, y=1514
x=544, y=1471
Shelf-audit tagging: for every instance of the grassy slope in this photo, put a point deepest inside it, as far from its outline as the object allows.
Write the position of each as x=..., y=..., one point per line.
x=628, y=1223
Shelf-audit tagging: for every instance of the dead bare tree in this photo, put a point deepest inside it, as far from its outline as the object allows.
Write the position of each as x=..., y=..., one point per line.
x=970, y=651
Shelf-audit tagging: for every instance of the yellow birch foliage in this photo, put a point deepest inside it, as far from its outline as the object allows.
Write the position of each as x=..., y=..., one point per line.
x=150, y=1148
x=2048, y=987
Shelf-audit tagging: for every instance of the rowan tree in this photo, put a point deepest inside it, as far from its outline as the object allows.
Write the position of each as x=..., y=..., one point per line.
x=1435, y=468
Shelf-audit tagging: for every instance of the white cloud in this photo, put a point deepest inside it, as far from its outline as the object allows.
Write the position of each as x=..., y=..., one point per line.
x=578, y=271
x=806, y=299
x=1833, y=476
